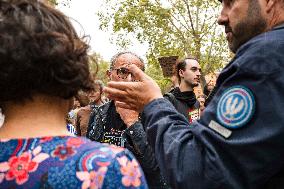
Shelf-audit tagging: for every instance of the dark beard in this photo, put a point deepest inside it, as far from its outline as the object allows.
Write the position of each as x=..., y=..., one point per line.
x=253, y=25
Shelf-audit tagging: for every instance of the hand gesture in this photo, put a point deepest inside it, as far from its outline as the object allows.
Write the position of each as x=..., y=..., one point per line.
x=134, y=95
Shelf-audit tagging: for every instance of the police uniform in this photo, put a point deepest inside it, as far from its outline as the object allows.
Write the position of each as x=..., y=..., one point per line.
x=239, y=140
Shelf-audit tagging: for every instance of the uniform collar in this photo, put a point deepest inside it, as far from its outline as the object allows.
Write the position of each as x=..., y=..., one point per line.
x=279, y=26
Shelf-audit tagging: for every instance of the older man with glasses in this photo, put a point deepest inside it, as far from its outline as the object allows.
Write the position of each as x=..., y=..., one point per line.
x=122, y=127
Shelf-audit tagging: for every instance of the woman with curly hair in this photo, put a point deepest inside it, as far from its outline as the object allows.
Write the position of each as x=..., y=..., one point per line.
x=43, y=65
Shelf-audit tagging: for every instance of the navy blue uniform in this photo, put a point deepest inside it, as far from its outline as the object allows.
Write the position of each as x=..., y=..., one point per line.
x=239, y=140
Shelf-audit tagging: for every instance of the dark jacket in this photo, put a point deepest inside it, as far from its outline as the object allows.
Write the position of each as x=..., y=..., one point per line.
x=133, y=138
x=238, y=141
x=185, y=103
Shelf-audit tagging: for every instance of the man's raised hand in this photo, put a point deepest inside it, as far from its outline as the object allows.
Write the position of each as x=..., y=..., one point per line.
x=133, y=95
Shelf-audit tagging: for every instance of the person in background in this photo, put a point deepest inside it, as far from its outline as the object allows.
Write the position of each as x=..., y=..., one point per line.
x=80, y=100
x=208, y=88
x=96, y=97
x=44, y=63
x=209, y=92
x=188, y=72
x=83, y=115
x=201, y=99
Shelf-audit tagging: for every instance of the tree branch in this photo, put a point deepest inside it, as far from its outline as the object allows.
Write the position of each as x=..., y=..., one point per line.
x=209, y=54
x=209, y=28
x=180, y=13
x=190, y=17
x=179, y=31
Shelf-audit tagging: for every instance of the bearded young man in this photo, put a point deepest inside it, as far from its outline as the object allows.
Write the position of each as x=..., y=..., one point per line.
x=238, y=141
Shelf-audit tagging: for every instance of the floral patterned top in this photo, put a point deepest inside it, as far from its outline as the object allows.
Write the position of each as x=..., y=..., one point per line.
x=67, y=162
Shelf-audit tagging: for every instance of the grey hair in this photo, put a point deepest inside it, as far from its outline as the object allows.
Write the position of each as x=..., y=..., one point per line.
x=99, y=83
x=117, y=55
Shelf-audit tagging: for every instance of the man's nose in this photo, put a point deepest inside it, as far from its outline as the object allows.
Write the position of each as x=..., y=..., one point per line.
x=223, y=17
x=198, y=73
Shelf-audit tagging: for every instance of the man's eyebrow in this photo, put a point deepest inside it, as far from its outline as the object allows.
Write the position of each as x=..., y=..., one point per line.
x=195, y=67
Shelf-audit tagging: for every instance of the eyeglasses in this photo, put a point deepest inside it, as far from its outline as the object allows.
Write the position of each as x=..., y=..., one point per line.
x=122, y=72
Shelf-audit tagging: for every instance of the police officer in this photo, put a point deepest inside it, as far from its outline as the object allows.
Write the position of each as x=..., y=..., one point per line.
x=238, y=142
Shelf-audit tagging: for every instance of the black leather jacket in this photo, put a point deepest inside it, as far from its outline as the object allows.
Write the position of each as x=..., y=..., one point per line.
x=134, y=139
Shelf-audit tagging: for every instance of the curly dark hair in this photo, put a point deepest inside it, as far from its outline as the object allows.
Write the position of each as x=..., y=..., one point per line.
x=40, y=53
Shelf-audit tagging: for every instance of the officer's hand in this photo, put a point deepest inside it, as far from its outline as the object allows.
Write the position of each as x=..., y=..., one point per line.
x=129, y=117
x=134, y=95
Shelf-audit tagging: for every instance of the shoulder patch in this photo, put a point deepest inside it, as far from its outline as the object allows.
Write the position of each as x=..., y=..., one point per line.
x=235, y=107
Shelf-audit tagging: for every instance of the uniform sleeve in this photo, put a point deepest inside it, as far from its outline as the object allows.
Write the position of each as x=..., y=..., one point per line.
x=197, y=156
x=124, y=172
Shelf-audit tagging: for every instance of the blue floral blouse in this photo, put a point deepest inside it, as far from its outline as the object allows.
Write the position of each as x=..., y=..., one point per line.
x=67, y=162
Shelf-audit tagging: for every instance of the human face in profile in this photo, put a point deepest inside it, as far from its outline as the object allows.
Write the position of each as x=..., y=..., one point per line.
x=191, y=74
x=242, y=19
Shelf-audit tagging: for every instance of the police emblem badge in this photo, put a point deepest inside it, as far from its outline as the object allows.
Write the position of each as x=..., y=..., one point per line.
x=236, y=107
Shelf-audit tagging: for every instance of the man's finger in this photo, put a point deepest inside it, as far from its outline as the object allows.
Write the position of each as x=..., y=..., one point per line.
x=113, y=92
x=123, y=105
x=120, y=85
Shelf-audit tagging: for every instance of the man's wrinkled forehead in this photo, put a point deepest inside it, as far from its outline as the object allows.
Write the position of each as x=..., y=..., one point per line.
x=127, y=59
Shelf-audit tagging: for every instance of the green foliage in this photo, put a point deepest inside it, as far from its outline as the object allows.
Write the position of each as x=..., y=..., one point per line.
x=155, y=72
x=170, y=27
